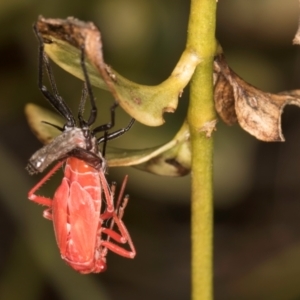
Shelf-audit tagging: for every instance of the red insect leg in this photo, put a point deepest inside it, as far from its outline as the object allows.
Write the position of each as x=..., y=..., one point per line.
x=40, y=199
x=124, y=236
x=110, y=208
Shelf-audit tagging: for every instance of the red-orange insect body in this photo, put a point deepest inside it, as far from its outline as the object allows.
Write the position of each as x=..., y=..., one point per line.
x=77, y=218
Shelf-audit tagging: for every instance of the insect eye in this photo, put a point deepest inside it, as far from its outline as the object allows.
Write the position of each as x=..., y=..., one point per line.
x=39, y=162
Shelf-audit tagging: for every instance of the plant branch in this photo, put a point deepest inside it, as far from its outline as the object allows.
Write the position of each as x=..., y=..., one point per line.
x=201, y=114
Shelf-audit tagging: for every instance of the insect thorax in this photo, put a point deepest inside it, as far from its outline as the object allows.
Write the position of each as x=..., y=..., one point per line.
x=72, y=142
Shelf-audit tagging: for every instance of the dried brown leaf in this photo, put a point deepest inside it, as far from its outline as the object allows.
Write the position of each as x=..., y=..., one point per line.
x=224, y=98
x=296, y=40
x=257, y=112
x=64, y=40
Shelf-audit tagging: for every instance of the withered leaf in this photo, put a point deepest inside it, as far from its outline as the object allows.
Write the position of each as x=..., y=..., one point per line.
x=257, y=112
x=147, y=104
x=224, y=98
x=296, y=40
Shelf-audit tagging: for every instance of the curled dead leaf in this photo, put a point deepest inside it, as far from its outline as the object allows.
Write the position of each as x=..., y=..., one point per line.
x=296, y=40
x=63, y=41
x=257, y=112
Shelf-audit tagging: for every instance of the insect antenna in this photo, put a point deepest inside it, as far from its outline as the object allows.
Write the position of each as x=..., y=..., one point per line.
x=53, y=125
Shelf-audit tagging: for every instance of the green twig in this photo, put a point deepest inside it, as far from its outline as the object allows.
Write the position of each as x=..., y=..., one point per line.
x=201, y=40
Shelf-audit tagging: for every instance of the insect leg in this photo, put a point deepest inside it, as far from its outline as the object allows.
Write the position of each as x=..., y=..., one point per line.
x=109, y=196
x=111, y=124
x=116, y=216
x=105, y=127
x=82, y=102
x=55, y=99
x=123, y=238
x=88, y=86
x=110, y=208
x=113, y=135
x=40, y=199
x=104, y=143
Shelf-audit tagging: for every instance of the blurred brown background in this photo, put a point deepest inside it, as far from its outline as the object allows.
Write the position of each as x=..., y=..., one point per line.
x=257, y=185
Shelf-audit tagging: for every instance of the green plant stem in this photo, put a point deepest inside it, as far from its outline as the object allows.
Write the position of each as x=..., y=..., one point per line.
x=201, y=40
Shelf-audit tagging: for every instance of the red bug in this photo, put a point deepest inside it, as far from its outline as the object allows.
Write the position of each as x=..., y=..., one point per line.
x=78, y=224
x=80, y=219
